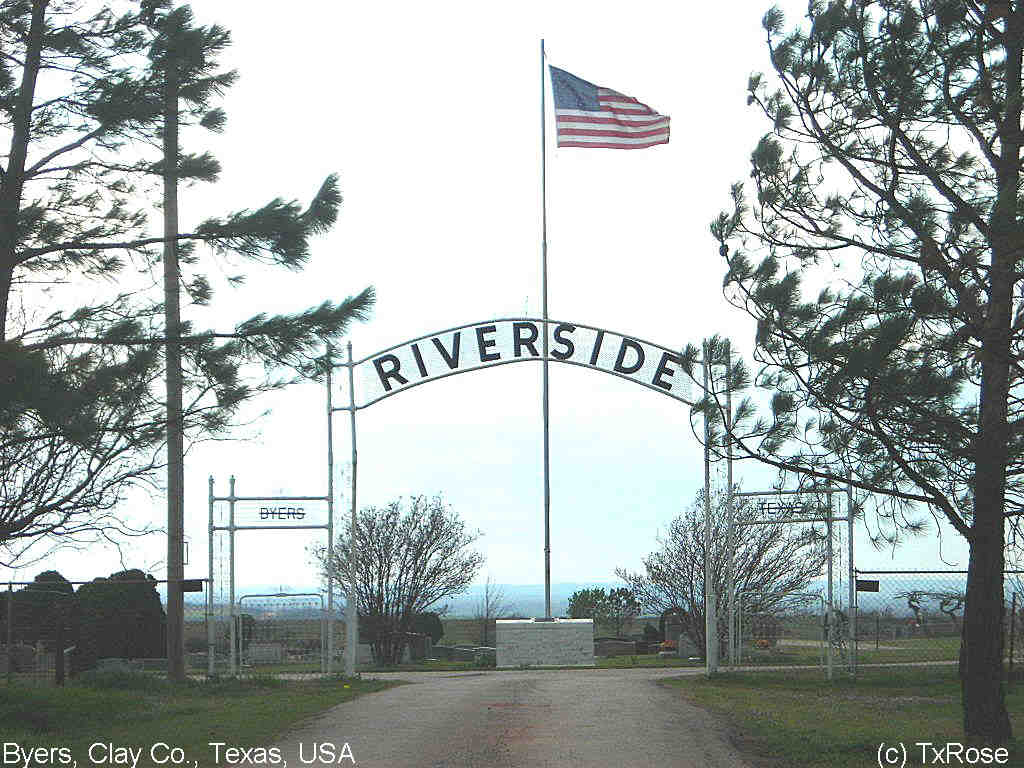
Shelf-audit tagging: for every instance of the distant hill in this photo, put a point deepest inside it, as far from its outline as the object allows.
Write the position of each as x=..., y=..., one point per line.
x=525, y=599
x=521, y=599
x=528, y=599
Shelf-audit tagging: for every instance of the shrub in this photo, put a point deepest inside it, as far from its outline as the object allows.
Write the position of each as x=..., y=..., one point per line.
x=122, y=618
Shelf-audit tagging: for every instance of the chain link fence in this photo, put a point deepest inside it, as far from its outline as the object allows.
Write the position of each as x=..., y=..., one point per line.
x=916, y=617
x=53, y=630
x=901, y=618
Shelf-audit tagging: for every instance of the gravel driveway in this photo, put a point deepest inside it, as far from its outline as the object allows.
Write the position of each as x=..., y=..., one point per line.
x=518, y=719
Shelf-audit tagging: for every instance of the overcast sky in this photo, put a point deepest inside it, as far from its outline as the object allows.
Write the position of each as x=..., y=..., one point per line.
x=430, y=113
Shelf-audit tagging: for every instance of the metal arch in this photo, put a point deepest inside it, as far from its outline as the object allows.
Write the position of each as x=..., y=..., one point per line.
x=432, y=379
x=538, y=358
x=507, y=320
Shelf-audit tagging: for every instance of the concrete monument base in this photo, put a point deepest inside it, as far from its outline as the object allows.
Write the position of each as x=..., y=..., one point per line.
x=541, y=642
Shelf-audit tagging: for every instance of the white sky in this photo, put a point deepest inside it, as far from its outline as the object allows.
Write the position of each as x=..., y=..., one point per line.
x=430, y=113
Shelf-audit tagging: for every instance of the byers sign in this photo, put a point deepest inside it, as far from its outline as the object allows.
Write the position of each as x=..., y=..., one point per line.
x=499, y=342
x=277, y=513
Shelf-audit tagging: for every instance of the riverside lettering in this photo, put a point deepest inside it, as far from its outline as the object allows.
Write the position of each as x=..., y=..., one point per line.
x=508, y=341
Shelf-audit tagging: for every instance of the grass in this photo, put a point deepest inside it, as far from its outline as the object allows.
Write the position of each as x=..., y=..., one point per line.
x=935, y=649
x=141, y=710
x=797, y=720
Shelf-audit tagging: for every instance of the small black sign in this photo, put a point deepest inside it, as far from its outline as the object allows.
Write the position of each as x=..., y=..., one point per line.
x=196, y=585
x=867, y=585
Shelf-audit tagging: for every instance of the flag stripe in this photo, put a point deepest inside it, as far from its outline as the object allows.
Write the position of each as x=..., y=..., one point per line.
x=607, y=116
x=618, y=134
x=619, y=141
x=620, y=127
x=612, y=123
x=609, y=145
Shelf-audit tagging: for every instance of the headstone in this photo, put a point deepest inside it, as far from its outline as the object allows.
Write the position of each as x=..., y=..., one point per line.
x=685, y=647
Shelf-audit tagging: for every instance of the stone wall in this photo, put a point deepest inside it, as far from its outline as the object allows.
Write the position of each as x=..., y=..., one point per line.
x=562, y=642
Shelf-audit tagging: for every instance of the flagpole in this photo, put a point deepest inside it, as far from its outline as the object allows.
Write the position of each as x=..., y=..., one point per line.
x=544, y=341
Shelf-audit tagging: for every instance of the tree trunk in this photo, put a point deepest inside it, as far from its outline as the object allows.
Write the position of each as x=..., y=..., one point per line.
x=6, y=280
x=984, y=698
x=984, y=701
x=986, y=720
x=14, y=175
x=175, y=438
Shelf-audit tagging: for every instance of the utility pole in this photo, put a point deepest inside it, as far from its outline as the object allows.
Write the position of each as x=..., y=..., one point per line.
x=175, y=437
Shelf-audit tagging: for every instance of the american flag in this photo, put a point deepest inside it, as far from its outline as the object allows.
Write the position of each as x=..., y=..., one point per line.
x=588, y=115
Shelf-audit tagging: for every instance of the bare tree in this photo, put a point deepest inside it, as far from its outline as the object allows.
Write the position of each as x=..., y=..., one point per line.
x=491, y=606
x=408, y=558
x=771, y=563
x=950, y=602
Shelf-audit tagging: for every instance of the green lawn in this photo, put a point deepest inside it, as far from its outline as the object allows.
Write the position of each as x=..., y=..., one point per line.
x=918, y=649
x=797, y=720
x=142, y=710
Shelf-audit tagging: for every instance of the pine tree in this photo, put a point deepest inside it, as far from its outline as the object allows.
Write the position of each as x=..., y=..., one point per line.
x=881, y=259
x=82, y=415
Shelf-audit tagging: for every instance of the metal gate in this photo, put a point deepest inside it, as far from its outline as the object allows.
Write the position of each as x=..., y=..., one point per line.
x=280, y=633
x=791, y=633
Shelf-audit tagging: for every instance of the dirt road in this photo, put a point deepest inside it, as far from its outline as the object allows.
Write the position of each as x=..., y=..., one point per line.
x=520, y=719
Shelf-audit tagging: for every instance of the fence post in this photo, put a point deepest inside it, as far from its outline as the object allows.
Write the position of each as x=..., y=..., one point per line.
x=58, y=651
x=878, y=626
x=830, y=611
x=211, y=640
x=1013, y=624
x=10, y=632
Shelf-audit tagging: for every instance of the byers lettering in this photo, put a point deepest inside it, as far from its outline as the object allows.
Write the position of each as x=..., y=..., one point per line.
x=282, y=513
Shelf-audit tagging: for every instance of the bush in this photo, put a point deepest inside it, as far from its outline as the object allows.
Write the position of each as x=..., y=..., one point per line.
x=122, y=618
